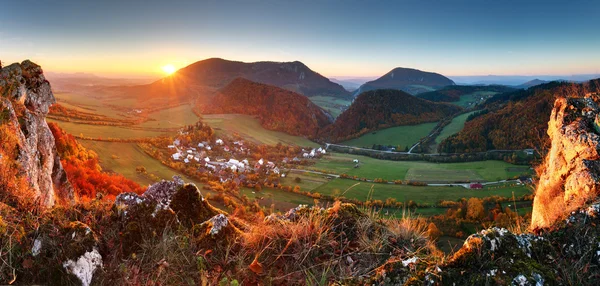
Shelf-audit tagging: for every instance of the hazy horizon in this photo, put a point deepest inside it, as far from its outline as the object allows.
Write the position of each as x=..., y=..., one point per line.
x=334, y=38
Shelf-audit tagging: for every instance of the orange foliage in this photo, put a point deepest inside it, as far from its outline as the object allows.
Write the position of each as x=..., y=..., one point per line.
x=84, y=171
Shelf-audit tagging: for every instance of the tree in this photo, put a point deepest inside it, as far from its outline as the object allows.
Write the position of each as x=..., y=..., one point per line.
x=475, y=210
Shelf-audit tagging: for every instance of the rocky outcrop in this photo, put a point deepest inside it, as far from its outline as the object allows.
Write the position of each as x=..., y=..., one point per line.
x=25, y=97
x=571, y=170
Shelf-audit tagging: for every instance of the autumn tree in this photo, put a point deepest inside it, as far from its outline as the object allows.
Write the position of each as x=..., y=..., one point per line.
x=475, y=209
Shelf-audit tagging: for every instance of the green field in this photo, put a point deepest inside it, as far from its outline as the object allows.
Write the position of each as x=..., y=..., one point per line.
x=249, y=128
x=457, y=124
x=333, y=105
x=282, y=200
x=474, y=98
x=308, y=181
x=399, y=170
x=123, y=158
x=403, y=136
x=425, y=195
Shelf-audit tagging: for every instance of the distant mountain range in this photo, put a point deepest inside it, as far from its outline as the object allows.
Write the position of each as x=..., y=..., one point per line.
x=412, y=81
x=531, y=83
x=383, y=108
x=201, y=79
x=514, y=80
x=276, y=108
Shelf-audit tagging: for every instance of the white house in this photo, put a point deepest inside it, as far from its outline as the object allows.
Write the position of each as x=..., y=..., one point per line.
x=276, y=170
x=171, y=146
x=186, y=160
x=190, y=152
x=197, y=159
x=233, y=161
x=271, y=164
x=176, y=142
x=200, y=145
x=208, y=148
x=261, y=161
x=206, y=159
x=355, y=160
x=305, y=155
x=245, y=161
x=219, y=142
x=190, y=156
x=176, y=156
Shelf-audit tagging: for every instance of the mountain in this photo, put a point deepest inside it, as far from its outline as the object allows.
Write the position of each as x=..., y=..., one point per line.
x=383, y=108
x=199, y=80
x=412, y=81
x=454, y=93
x=516, y=120
x=276, y=108
x=531, y=83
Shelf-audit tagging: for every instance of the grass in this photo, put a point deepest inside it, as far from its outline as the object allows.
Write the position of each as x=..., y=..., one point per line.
x=281, y=200
x=457, y=124
x=249, y=128
x=103, y=131
x=333, y=105
x=123, y=158
x=404, y=136
x=401, y=170
x=308, y=182
x=422, y=195
x=175, y=117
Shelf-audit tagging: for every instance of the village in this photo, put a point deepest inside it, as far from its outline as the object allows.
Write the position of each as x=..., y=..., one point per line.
x=230, y=160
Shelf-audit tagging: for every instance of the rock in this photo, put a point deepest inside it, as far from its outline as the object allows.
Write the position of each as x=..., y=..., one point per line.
x=571, y=175
x=85, y=266
x=25, y=96
x=191, y=208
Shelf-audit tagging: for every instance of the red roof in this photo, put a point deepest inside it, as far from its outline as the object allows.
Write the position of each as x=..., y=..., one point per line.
x=476, y=186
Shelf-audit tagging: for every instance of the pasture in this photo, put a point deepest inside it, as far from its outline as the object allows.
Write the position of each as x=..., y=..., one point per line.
x=105, y=131
x=420, y=194
x=472, y=99
x=333, y=105
x=249, y=128
x=123, y=158
x=399, y=170
x=457, y=124
x=403, y=136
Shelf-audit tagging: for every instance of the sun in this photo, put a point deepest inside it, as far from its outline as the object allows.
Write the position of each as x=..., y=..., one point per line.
x=169, y=69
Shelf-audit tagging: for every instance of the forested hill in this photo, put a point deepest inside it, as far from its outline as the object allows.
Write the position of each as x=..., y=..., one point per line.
x=516, y=120
x=383, y=108
x=412, y=81
x=277, y=108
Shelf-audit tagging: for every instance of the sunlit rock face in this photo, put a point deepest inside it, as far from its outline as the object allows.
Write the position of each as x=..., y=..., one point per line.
x=25, y=97
x=570, y=173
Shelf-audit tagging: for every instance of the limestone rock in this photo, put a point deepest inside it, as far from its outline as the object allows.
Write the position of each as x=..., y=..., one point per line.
x=25, y=96
x=571, y=175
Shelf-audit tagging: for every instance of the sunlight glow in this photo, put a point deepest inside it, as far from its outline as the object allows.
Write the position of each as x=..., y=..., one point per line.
x=169, y=69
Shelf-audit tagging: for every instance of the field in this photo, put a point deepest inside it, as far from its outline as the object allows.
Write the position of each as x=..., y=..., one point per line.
x=457, y=124
x=403, y=136
x=419, y=194
x=249, y=128
x=123, y=158
x=410, y=170
x=281, y=200
x=175, y=117
x=333, y=105
x=306, y=181
x=103, y=131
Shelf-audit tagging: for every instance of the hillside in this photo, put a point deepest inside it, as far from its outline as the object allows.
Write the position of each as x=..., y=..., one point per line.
x=379, y=109
x=276, y=108
x=531, y=83
x=200, y=79
x=412, y=81
x=516, y=120
x=455, y=92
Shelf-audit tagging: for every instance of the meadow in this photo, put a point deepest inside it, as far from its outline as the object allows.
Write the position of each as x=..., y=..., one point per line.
x=455, y=126
x=123, y=158
x=419, y=194
x=411, y=170
x=105, y=131
x=333, y=105
x=474, y=98
x=403, y=136
x=249, y=128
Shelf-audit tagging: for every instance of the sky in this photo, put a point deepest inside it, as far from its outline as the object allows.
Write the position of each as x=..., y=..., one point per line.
x=335, y=38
